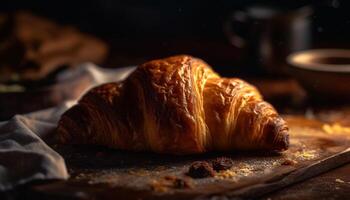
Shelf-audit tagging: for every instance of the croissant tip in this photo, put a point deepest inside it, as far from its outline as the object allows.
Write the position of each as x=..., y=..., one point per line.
x=282, y=144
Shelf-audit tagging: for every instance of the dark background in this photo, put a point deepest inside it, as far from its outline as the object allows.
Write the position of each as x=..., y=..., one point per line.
x=141, y=30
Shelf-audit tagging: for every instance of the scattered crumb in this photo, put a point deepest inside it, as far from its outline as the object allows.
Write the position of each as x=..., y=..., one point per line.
x=222, y=163
x=200, y=169
x=337, y=188
x=243, y=165
x=335, y=128
x=245, y=171
x=226, y=174
x=339, y=180
x=289, y=162
x=327, y=128
x=163, y=184
x=306, y=154
x=242, y=169
x=178, y=182
x=158, y=186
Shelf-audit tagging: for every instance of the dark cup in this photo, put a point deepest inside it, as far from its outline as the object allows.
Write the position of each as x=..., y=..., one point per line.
x=267, y=35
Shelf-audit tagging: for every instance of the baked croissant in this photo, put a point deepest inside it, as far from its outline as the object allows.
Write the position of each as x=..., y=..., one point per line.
x=176, y=105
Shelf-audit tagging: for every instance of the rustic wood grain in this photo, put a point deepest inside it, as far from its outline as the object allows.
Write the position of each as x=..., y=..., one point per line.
x=98, y=172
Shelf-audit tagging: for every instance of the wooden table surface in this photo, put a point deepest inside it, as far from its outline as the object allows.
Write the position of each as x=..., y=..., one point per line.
x=334, y=184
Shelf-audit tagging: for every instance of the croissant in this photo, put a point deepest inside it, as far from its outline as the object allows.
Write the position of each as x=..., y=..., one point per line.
x=176, y=105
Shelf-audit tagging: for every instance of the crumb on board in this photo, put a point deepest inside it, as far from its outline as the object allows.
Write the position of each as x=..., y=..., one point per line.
x=338, y=180
x=335, y=128
x=306, y=154
x=158, y=186
x=170, y=181
x=226, y=174
x=245, y=171
x=289, y=162
x=178, y=182
x=243, y=165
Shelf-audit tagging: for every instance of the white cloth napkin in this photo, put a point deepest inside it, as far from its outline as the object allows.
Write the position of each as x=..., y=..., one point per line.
x=24, y=156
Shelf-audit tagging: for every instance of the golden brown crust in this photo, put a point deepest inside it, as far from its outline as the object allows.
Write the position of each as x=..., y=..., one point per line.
x=176, y=105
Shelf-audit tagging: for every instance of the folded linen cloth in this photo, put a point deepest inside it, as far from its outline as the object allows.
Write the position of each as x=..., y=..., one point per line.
x=24, y=155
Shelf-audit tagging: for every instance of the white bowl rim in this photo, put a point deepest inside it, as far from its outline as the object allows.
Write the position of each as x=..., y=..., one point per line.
x=320, y=53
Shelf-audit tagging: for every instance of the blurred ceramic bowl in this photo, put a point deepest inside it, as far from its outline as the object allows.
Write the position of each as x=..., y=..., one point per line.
x=324, y=73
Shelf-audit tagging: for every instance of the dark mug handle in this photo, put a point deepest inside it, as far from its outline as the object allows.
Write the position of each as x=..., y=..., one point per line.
x=236, y=28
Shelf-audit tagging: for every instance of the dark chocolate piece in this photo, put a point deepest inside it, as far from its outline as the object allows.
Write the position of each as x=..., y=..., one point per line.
x=222, y=163
x=201, y=169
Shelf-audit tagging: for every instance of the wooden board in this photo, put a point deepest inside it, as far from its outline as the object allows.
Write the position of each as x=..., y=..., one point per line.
x=101, y=173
